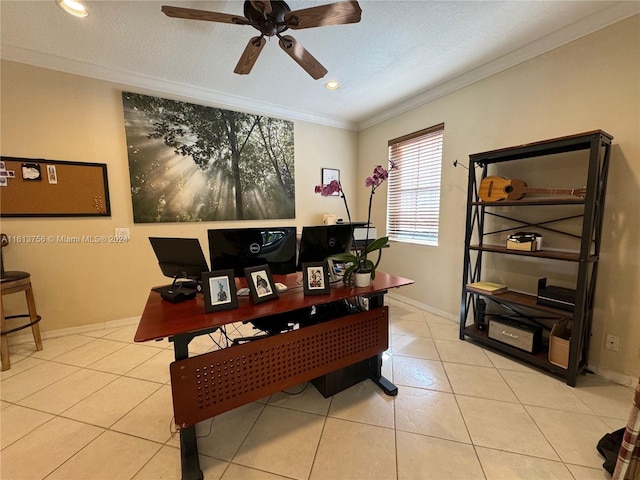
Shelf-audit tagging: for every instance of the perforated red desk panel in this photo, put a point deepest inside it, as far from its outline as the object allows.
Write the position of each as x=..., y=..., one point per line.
x=207, y=385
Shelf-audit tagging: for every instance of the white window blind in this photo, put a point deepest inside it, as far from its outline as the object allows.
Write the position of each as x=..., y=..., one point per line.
x=413, y=197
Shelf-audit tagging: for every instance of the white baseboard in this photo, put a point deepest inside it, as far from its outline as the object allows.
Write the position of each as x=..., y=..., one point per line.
x=614, y=377
x=25, y=336
x=424, y=307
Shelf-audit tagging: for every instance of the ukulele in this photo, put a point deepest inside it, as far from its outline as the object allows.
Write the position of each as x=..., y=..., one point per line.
x=494, y=189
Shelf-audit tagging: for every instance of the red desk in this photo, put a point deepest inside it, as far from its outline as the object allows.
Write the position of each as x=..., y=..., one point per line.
x=333, y=354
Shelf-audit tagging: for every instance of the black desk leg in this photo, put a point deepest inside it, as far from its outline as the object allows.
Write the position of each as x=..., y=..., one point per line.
x=189, y=454
x=377, y=301
x=189, y=460
x=375, y=363
x=387, y=387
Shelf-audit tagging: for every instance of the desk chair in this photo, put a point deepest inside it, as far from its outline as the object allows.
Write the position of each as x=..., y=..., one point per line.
x=15, y=282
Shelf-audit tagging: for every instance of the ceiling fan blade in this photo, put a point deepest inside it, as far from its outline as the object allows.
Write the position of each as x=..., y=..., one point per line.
x=191, y=14
x=331, y=14
x=262, y=5
x=250, y=55
x=302, y=57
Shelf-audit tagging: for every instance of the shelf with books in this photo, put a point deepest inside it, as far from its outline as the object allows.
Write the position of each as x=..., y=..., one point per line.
x=577, y=224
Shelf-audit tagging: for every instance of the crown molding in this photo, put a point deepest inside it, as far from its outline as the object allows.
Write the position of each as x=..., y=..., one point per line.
x=616, y=13
x=136, y=81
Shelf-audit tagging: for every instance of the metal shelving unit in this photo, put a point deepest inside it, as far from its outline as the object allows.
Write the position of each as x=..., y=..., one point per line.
x=598, y=145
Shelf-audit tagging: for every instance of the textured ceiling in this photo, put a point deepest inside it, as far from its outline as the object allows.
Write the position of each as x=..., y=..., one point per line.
x=401, y=54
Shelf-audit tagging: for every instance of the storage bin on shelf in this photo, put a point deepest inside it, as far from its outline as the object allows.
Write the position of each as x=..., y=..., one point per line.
x=559, y=341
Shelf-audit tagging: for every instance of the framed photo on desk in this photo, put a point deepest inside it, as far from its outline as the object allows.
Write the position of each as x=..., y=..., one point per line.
x=315, y=278
x=260, y=283
x=219, y=289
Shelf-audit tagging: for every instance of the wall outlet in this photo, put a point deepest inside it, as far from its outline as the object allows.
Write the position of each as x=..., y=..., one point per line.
x=364, y=303
x=612, y=343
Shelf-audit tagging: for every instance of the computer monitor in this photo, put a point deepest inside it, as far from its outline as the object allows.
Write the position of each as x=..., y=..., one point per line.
x=238, y=248
x=322, y=241
x=180, y=257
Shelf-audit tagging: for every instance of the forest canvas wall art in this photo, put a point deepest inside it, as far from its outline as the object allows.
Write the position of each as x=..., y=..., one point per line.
x=191, y=163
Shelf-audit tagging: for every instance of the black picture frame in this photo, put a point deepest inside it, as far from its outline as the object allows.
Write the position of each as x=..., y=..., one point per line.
x=260, y=283
x=219, y=288
x=329, y=174
x=315, y=278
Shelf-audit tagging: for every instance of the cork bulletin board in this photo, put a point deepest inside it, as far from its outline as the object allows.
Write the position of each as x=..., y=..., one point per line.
x=53, y=188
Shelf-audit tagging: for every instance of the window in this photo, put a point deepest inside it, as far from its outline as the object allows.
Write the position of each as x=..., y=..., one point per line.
x=413, y=198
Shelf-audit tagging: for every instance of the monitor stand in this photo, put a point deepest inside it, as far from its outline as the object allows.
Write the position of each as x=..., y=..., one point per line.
x=178, y=291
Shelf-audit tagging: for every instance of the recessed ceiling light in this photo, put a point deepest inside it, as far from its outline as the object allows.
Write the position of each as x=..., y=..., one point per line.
x=332, y=85
x=74, y=8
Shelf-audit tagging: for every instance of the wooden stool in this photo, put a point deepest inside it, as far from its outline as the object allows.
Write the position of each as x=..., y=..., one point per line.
x=15, y=282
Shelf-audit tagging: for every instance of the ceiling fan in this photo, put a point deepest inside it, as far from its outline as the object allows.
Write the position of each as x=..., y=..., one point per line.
x=272, y=18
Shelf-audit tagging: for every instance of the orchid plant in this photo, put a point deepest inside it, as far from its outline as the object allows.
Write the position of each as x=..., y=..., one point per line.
x=358, y=261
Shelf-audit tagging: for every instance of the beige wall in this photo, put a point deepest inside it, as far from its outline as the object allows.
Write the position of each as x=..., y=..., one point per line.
x=48, y=114
x=592, y=83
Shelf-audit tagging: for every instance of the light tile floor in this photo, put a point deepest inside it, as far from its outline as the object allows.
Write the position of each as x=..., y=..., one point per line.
x=98, y=406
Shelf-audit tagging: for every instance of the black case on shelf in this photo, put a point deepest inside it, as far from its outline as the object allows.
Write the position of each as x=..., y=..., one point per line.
x=556, y=297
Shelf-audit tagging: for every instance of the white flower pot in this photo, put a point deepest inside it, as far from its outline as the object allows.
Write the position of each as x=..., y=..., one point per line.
x=362, y=279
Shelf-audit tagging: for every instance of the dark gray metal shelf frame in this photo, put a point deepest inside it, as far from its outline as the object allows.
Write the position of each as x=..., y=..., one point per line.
x=598, y=143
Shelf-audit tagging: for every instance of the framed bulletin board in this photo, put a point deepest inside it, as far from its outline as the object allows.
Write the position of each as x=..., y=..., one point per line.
x=53, y=188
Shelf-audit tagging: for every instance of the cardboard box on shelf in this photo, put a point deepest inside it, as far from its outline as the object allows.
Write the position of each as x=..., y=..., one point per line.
x=559, y=341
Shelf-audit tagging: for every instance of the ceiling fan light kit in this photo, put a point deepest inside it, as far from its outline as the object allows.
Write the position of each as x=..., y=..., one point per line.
x=272, y=18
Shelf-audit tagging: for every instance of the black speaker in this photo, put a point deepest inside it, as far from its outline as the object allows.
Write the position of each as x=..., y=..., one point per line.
x=481, y=307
